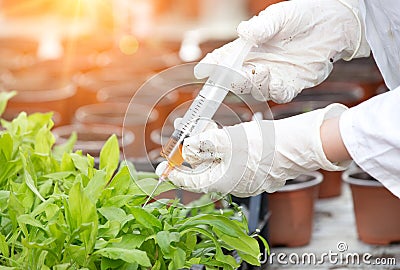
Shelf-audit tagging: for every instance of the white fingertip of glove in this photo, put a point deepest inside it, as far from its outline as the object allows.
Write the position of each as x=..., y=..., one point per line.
x=259, y=29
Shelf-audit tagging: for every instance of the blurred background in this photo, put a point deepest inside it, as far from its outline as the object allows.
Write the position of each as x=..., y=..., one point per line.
x=85, y=59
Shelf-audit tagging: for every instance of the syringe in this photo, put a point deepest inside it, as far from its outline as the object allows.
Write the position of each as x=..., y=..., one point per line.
x=204, y=106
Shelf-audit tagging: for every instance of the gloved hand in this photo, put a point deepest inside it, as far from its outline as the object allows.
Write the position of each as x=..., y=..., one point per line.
x=298, y=41
x=256, y=156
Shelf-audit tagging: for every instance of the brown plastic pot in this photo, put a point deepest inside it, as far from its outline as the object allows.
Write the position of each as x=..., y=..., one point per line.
x=256, y=6
x=331, y=185
x=125, y=92
x=139, y=119
x=362, y=71
x=91, y=139
x=179, y=80
x=90, y=83
x=376, y=209
x=12, y=113
x=48, y=96
x=349, y=94
x=13, y=60
x=292, y=211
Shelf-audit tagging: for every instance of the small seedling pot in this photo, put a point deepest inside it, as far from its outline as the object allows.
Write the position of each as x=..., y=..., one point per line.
x=331, y=185
x=349, y=94
x=90, y=83
x=292, y=211
x=124, y=93
x=91, y=139
x=362, y=71
x=376, y=209
x=256, y=6
x=47, y=96
x=139, y=119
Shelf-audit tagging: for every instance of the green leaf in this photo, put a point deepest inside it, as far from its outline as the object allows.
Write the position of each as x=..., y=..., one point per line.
x=80, y=162
x=6, y=146
x=4, y=98
x=96, y=186
x=44, y=140
x=178, y=261
x=127, y=255
x=4, y=246
x=121, y=181
x=164, y=240
x=83, y=211
x=220, y=222
x=146, y=219
x=109, y=156
x=67, y=147
x=129, y=241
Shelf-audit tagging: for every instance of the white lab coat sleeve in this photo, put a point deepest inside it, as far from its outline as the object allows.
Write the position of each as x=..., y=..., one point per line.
x=371, y=134
x=382, y=30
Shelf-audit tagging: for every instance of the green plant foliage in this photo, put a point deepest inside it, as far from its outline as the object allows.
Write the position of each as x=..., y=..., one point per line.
x=57, y=211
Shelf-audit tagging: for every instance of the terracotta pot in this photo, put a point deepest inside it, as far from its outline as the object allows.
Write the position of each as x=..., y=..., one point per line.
x=147, y=58
x=153, y=98
x=362, y=71
x=376, y=209
x=256, y=6
x=178, y=80
x=210, y=45
x=90, y=83
x=12, y=113
x=139, y=119
x=382, y=89
x=47, y=96
x=292, y=211
x=331, y=185
x=20, y=44
x=349, y=94
x=91, y=139
x=13, y=60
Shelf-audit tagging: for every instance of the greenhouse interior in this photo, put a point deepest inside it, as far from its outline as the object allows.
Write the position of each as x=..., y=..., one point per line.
x=119, y=150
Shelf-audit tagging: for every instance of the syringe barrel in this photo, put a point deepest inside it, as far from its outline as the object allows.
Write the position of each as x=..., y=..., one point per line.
x=205, y=105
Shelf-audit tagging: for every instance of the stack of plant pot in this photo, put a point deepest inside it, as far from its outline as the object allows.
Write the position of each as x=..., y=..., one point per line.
x=376, y=209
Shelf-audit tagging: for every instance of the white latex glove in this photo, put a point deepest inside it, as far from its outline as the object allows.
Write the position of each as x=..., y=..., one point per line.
x=256, y=156
x=298, y=41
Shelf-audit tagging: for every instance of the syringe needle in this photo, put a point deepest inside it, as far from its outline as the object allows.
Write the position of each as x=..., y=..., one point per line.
x=160, y=180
